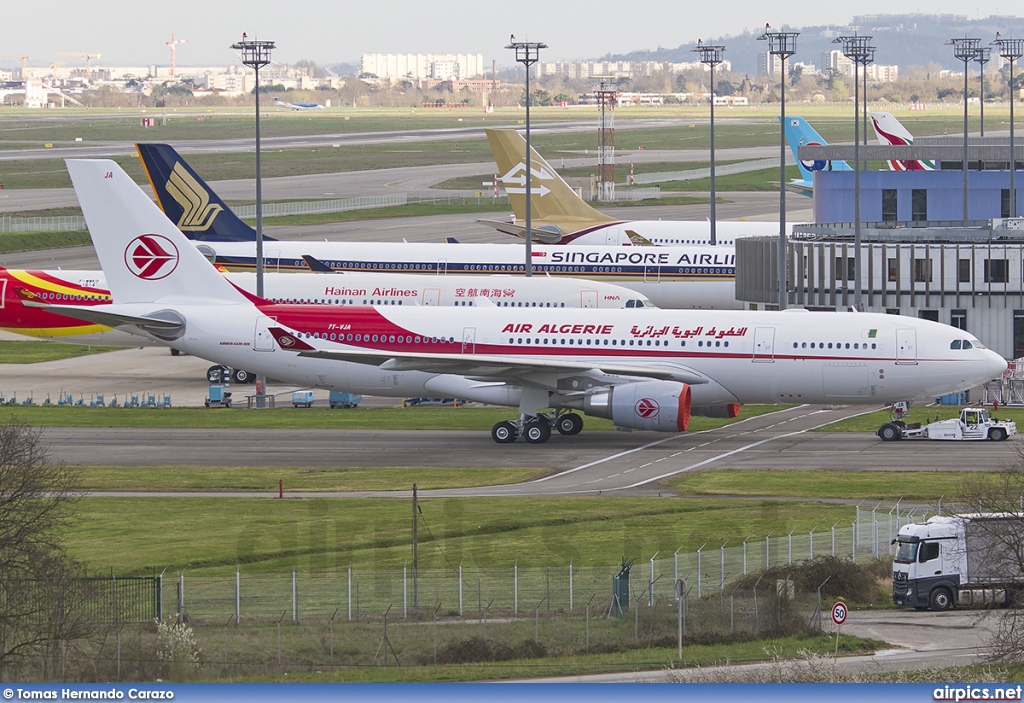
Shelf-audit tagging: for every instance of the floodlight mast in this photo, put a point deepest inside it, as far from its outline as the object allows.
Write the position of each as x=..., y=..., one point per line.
x=857, y=48
x=711, y=55
x=965, y=49
x=783, y=45
x=527, y=53
x=1011, y=49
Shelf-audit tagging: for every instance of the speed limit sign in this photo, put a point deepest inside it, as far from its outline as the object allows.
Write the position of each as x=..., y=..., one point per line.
x=839, y=613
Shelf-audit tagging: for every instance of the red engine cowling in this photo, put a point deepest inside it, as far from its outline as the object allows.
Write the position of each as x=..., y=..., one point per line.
x=661, y=406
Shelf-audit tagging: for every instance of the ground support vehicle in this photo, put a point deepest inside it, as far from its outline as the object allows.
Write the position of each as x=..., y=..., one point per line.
x=973, y=423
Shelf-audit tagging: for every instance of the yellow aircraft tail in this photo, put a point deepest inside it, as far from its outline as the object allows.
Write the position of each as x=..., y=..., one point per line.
x=556, y=210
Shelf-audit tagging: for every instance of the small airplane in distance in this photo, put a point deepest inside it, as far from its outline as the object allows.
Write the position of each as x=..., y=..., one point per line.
x=651, y=370
x=297, y=106
x=559, y=216
x=890, y=130
x=800, y=133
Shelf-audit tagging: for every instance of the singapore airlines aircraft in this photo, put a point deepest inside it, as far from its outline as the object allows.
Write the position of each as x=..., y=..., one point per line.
x=686, y=276
x=298, y=106
x=648, y=372
x=89, y=288
x=559, y=216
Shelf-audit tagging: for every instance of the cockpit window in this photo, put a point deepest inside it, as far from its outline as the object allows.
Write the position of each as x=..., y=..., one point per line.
x=967, y=344
x=977, y=344
x=955, y=344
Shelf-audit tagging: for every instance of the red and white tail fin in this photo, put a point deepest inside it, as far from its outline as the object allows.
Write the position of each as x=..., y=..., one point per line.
x=145, y=257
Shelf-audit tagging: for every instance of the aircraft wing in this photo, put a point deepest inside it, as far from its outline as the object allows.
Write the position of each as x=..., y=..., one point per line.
x=544, y=371
x=545, y=234
x=163, y=324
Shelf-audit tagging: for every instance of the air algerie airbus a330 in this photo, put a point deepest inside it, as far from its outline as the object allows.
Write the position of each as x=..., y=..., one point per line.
x=651, y=372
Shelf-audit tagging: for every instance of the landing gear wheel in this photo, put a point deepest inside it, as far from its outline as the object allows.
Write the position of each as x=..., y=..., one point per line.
x=175, y=352
x=537, y=432
x=941, y=599
x=569, y=424
x=242, y=376
x=997, y=434
x=504, y=432
x=889, y=432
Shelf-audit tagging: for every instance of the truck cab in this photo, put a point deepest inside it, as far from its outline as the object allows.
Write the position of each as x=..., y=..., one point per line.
x=926, y=569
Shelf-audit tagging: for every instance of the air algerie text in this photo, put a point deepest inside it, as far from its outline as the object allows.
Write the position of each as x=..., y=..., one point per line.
x=646, y=258
x=526, y=328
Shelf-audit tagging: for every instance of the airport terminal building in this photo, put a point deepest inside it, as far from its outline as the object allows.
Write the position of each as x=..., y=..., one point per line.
x=966, y=275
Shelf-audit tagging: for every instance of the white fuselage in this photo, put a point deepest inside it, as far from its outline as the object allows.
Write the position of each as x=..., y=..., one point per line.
x=746, y=357
x=668, y=232
x=688, y=276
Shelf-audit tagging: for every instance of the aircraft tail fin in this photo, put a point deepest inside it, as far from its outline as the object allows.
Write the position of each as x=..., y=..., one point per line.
x=317, y=266
x=890, y=130
x=145, y=257
x=187, y=199
x=800, y=133
x=552, y=200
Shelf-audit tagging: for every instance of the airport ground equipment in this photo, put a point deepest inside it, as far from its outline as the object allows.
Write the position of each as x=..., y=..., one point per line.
x=302, y=399
x=959, y=560
x=219, y=397
x=973, y=423
x=338, y=399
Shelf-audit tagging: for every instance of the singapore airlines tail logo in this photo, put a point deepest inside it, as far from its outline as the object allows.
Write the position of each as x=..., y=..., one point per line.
x=198, y=212
x=151, y=257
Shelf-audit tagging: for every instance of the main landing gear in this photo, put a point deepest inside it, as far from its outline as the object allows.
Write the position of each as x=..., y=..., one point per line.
x=536, y=429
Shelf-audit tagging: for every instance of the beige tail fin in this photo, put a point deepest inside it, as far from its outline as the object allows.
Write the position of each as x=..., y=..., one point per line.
x=553, y=202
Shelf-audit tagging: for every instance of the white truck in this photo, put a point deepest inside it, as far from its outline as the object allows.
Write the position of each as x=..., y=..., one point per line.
x=960, y=560
x=973, y=423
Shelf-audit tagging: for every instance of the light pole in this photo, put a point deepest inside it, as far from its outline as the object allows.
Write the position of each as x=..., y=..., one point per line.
x=868, y=58
x=256, y=55
x=857, y=49
x=711, y=55
x=783, y=45
x=527, y=53
x=965, y=50
x=982, y=56
x=1011, y=49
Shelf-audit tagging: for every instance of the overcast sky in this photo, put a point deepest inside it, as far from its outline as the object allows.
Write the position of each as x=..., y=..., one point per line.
x=134, y=32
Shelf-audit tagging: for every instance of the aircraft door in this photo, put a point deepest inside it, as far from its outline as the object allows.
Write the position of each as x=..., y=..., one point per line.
x=906, y=346
x=262, y=339
x=3, y=292
x=652, y=273
x=469, y=340
x=442, y=266
x=764, y=344
x=431, y=297
x=588, y=298
x=272, y=255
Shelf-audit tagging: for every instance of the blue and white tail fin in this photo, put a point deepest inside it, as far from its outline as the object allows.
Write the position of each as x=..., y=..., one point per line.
x=800, y=133
x=188, y=201
x=146, y=258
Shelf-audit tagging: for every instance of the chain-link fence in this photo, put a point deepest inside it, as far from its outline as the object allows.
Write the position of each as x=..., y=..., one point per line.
x=468, y=592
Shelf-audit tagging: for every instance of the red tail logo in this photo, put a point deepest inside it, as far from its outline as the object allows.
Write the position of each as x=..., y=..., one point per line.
x=151, y=257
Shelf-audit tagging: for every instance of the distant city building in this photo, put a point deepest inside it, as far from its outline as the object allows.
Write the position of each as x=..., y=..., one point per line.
x=768, y=64
x=415, y=67
x=619, y=69
x=835, y=62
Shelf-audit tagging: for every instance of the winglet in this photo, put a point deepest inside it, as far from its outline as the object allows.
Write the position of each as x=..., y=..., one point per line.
x=287, y=340
x=317, y=266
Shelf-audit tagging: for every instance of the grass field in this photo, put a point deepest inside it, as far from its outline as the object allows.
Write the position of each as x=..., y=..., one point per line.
x=30, y=352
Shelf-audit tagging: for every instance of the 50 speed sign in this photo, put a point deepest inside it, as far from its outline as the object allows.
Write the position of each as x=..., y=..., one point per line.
x=839, y=613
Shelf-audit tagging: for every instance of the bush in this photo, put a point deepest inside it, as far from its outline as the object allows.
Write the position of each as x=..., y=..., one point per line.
x=856, y=583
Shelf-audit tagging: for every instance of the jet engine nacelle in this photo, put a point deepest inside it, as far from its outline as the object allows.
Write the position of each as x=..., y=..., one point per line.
x=729, y=410
x=661, y=406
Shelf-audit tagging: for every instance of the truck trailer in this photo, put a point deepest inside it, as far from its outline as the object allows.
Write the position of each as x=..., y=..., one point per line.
x=960, y=560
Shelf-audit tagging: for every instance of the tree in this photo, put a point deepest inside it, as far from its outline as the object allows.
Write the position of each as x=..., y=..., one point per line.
x=38, y=580
x=1002, y=493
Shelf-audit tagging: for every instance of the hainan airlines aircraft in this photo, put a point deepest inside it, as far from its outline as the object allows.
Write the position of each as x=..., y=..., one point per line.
x=890, y=130
x=559, y=216
x=89, y=288
x=298, y=106
x=688, y=276
x=649, y=372
x=800, y=133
